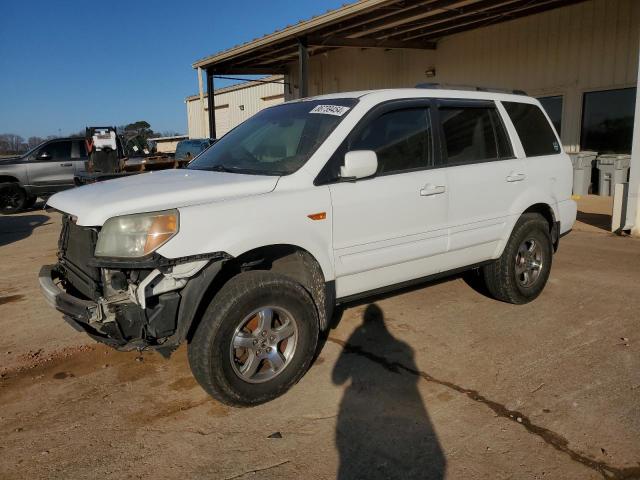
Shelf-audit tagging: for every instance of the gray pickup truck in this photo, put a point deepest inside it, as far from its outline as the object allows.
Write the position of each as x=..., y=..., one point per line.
x=48, y=168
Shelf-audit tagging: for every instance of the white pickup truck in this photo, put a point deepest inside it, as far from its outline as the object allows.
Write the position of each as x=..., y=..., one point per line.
x=309, y=204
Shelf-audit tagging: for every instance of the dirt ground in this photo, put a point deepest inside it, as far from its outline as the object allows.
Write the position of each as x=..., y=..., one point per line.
x=433, y=382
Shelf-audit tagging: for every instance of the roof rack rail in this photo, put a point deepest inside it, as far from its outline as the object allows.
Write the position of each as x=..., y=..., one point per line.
x=469, y=88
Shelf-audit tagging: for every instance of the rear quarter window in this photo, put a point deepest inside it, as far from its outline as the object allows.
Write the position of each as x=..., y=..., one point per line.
x=533, y=128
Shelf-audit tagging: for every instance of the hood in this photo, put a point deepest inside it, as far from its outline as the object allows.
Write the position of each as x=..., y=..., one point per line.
x=152, y=191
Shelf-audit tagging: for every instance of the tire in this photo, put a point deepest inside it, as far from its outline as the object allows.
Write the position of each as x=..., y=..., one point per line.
x=244, y=301
x=514, y=278
x=31, y=201
x=13, y=198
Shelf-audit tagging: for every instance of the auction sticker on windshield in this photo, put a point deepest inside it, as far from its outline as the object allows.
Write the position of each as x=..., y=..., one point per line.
x=337, y=110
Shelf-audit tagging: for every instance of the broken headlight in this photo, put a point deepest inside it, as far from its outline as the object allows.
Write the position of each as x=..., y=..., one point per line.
x=137, y=235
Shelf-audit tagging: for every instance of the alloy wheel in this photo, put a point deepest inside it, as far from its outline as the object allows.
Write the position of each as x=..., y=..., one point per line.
x=263, y=344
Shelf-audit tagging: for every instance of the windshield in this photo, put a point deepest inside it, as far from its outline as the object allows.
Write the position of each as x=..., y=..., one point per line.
x=277, y=140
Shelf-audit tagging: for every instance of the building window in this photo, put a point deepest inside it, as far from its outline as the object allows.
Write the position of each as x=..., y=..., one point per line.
x=553, y=107
x=607, y=121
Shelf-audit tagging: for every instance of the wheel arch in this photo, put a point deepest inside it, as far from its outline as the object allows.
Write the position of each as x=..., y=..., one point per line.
x=544, y=209
x=288, y=260
x=549, y=215
x=9, y=179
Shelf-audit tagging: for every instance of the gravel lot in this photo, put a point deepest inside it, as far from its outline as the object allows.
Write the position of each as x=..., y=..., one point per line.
x=433, y=382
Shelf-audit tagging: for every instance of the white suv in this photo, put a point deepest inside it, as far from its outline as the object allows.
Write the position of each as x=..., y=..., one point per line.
x=245, y=253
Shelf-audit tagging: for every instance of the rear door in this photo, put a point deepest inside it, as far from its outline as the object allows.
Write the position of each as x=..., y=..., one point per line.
x=387, y=229
x=483, y=175
x=51, y=168
x=79, y=155
x=548, y=169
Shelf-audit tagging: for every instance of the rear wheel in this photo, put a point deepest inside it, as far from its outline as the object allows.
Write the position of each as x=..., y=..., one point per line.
x=522, y=271
x=12, y=198
x=256, y=339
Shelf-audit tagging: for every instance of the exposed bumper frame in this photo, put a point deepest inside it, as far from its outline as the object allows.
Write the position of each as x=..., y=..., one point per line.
x=75, y=308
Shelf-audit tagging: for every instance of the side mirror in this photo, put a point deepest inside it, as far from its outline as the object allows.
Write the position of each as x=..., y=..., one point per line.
x=359, y=164
x=44, y=155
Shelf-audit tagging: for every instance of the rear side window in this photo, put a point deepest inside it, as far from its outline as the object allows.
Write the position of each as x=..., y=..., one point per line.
x=400, y=138
x=535, y=132
x=78, y=149
x=473, y=134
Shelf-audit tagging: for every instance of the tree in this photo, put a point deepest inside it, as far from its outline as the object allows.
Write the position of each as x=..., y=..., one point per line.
x=136, y=134
x=11, y=143
x=34, y=142
x=139, y=129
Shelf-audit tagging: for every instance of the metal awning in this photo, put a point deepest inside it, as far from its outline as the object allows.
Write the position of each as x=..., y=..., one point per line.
x=388, y=24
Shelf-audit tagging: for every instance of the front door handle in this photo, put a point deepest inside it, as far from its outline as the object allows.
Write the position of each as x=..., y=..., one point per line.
x=66, y=164
x=515, y=177
x=429, y=190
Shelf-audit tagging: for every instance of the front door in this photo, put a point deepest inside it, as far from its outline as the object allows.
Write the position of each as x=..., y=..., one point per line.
x=388, y=228
x=51, y=169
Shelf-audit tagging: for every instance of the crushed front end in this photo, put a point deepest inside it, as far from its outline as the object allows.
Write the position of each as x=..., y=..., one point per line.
x=126, y=303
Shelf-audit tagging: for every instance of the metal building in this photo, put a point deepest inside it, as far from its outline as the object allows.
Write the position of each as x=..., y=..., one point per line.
x=580, y=57
x=234, y=104
x=168, y=144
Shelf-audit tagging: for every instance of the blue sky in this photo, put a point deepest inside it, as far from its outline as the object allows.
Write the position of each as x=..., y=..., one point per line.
x=67, y=64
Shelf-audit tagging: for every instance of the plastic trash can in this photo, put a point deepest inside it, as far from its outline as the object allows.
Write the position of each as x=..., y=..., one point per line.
x=613, y=169
x=582, y=165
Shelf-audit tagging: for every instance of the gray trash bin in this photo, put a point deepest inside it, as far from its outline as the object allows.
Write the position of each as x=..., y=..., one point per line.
x=612, y=169
x=582, y=165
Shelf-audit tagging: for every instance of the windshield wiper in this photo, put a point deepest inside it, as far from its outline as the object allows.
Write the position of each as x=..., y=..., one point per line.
x=249, y=171
x=221, y=168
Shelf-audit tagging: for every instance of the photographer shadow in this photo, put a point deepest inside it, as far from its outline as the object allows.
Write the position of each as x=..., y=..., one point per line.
x=383, y=429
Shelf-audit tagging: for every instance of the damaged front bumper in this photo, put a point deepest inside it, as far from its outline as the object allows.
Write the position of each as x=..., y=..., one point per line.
x=82, y=315
x=150, y=313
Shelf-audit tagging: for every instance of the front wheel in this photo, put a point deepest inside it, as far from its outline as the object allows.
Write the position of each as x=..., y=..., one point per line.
x=522, y=271
x=256, y=339
x=13, y=198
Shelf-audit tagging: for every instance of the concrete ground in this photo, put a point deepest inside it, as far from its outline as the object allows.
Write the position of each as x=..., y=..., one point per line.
x=433, y=382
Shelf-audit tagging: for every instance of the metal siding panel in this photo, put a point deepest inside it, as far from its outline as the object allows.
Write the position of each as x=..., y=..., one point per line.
x=230, y=116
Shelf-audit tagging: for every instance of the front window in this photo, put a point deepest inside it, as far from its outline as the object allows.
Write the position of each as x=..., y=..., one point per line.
x=277, y=140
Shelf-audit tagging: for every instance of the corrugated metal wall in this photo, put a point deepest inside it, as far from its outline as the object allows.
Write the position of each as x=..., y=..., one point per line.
x=233, y=106
x=567, y=51
x=346, y=69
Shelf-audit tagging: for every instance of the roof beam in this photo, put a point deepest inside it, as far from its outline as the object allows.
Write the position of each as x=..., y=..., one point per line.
x=472, y=10
x=230, y=69
x=367, y=43
x=394, y=19
x=451, y=28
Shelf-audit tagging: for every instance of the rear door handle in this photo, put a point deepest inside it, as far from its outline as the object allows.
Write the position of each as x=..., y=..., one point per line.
x=429, y=190
x=66, y=164
x=515, y=177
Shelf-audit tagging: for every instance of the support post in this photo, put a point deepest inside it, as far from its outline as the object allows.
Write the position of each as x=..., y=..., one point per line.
x=202, y=133
x=211, y=103
x=633, y=198
x=303, y=72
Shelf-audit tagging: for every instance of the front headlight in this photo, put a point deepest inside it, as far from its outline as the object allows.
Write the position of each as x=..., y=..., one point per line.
x=136, y=235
